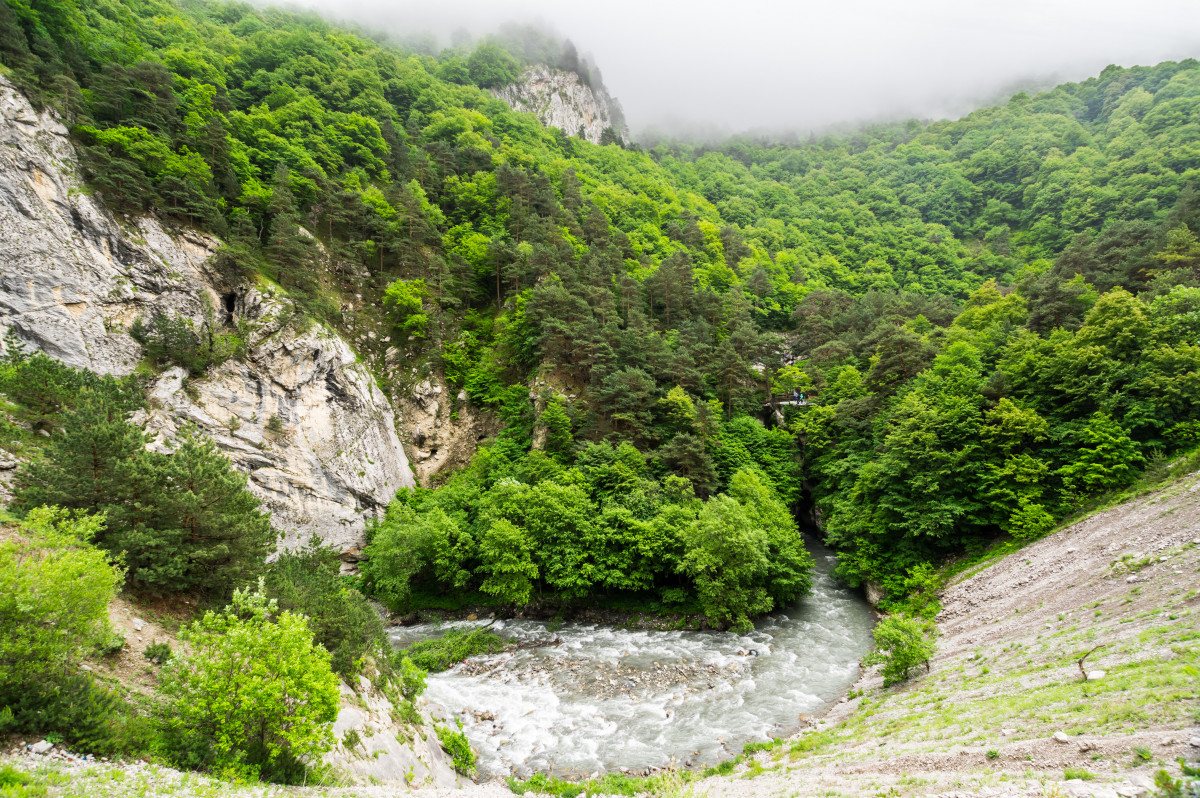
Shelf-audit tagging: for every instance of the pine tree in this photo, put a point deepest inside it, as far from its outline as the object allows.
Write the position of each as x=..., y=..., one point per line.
x=222, y=533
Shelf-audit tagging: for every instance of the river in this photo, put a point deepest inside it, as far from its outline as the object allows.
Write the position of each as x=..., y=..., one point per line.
x=604, y=699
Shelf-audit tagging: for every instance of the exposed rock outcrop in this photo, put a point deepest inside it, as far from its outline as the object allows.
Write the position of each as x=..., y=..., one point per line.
x=444, y=429
x=334, y=454
x=72, y=281
x=560, y=99
x=373, y=748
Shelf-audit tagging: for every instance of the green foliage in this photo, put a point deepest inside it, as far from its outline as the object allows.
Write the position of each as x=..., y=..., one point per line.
x=173, y=340
x=253, y=696
x=995, y=317
x=404, y=300
x=55, y=588
x=456, y=744
x=398, y=548
x=411, y=678
x=307, y=582
x=182, y=521
x=43, y=389
x=491, y=67
x=442, y=653
x=902, y=645
x=515, y=525
x=158, y=653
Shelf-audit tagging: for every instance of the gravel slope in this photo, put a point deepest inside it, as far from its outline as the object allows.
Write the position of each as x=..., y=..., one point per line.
x=1006, y=677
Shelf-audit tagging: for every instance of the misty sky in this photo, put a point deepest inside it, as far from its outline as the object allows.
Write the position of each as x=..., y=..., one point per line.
x=752, y=64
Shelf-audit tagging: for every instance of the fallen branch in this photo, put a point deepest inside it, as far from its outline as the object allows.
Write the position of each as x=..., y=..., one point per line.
x=1082, y=672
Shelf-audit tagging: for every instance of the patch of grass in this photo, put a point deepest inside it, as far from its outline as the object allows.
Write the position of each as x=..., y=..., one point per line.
x=443, y=653
x=1078, y=773
x=665, y=784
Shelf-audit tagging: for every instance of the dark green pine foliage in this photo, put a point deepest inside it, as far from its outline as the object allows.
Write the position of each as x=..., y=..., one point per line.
x=183, y=521
x=97, y=461
x=222, y=534
x=306, y=582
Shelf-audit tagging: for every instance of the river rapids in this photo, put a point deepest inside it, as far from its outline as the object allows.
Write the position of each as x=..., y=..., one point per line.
x=605, y=699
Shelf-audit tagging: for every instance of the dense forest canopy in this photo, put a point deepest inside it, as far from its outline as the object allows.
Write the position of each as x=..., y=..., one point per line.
x=998, y=317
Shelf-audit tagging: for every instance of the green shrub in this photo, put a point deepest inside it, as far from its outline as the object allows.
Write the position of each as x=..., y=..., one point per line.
x=158, y=653
x=88, y=717
x=992, y=753
x=442, y=653
x=902, y=644
x=1078, y=773
x=42, y=389
x=182, y=521
x=307, y=582
x=459, y=748
x=275, y=425
x=254, y=697
x=410, y=676
x=173, y=339
x=54, y=593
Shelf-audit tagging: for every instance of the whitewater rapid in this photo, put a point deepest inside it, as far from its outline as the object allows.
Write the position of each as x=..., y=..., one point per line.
x=604, y=699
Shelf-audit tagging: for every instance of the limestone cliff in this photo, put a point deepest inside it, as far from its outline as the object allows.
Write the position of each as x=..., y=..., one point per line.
x=560, y=99
x=73, y=279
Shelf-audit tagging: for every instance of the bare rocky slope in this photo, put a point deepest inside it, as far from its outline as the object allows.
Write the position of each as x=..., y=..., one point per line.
x=73, y=279
x=560, y=99
x=1005, y=709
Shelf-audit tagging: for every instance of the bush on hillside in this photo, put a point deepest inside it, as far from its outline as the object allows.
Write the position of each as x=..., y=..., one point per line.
x=182, y=521
x=306, y=582
x=254, y=696
x=902, y=645
x=442, y=653
x=55, y=588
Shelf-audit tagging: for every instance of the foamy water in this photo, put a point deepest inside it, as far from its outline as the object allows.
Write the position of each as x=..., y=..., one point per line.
x=604, y=699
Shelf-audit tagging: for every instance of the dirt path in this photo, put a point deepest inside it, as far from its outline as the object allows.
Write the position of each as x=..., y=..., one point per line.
x=1006, y=676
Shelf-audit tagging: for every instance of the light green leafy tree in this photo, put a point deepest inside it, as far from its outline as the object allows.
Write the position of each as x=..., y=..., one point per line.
x=506, y=553
x=253, y=696
x=55, y=588
x=727, y=558
x=902, y=645
x=1107, y=457
x=404, y=301
x=399, y=548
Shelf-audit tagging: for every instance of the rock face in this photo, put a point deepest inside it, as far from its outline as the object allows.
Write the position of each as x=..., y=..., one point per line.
x=443, y=427
x=333, y=455
x=561, y=100
x=72, y=281
x=374, y=748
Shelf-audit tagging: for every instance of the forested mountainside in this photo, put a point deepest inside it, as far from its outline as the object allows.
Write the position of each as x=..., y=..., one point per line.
x=995, y=318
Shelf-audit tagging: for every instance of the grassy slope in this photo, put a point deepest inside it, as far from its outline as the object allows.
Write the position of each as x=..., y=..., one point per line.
x=1006, y=676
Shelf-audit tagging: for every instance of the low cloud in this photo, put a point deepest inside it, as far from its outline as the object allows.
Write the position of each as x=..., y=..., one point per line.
x=767, y=64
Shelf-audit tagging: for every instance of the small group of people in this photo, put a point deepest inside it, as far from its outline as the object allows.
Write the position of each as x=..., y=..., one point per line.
x=797, y=396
